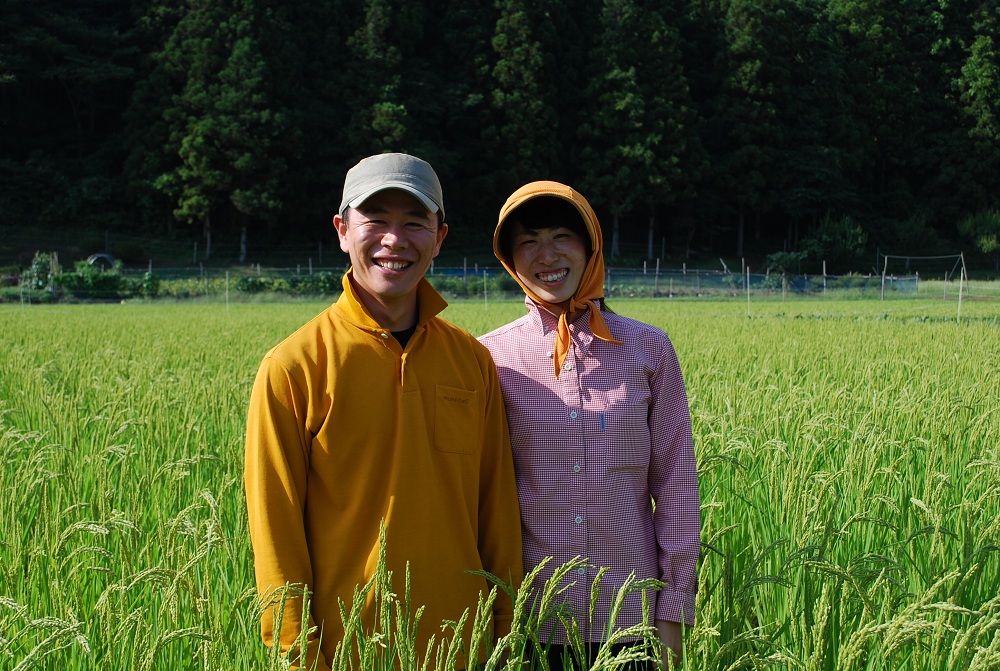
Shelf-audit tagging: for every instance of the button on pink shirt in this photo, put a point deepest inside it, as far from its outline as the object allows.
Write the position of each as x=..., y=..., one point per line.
x=593, y=450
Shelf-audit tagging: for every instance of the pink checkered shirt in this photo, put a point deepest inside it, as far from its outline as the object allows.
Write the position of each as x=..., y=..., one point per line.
x=593, y=450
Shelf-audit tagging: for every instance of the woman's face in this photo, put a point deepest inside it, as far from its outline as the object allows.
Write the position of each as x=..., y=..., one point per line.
x=550, y=261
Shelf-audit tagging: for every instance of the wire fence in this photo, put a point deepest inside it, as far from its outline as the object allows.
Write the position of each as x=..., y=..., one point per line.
x=470, y=281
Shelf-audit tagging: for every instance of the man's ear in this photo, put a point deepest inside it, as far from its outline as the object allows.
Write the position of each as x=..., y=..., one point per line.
x=340, y=223
x=441, y=233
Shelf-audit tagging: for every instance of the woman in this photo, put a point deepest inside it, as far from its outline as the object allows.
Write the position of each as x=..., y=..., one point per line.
x=599, y=424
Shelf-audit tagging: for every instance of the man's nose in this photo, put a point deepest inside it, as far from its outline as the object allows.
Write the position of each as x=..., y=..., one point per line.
x=394, y=237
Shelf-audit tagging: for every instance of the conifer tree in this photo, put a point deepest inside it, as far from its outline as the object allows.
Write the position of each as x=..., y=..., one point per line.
x=226, y=133
x=526, y=120
x=65, y=73
x=639, y=130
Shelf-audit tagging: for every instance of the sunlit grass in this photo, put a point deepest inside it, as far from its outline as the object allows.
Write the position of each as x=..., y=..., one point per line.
x=850, y=481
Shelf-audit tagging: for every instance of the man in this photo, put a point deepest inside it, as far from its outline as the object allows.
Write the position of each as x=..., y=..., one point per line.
x=378, y=409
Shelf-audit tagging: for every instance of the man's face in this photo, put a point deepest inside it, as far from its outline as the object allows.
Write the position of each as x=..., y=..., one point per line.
x=391, y=239
x=550, y=261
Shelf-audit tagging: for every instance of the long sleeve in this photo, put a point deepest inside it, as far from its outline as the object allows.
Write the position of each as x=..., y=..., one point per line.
x=673, y=483
x=499, y=519
x=277, y=463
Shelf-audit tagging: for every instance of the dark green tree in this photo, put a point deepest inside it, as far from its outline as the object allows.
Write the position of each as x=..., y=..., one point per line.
x=742, y=130
x=818, y=148
x=314, y=80
x=894, y=58
x=379, y=112
x=524, y=137
x=145, y=129
x=976, y=160
x=65, y=75
x=455, y=109
x=980, y=80
x=638, y=129
x=983, y=229
x=227, y=133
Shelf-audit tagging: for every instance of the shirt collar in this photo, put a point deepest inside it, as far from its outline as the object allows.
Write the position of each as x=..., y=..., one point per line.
x=429, y=304
x=545, y=321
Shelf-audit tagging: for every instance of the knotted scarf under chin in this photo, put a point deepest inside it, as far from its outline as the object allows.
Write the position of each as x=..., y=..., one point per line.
x=563, y=338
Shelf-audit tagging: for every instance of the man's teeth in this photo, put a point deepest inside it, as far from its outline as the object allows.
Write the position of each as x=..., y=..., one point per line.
x=392, y=265
x=553, y=277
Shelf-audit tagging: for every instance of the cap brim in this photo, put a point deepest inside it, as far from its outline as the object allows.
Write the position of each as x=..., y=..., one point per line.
x=419, y=195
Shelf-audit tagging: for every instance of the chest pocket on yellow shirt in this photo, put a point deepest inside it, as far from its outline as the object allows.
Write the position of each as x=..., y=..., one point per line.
x=456, y=420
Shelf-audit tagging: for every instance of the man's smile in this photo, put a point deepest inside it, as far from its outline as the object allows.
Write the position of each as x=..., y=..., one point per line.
x=392, y=265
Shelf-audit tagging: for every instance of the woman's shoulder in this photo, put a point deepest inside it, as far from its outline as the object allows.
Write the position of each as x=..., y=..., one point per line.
x=514, y=330
x=623, y=327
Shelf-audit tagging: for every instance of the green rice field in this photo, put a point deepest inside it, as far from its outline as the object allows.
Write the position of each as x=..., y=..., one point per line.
x=849, y=455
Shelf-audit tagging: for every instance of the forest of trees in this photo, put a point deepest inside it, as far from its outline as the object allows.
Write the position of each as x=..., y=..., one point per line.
x=823, y=128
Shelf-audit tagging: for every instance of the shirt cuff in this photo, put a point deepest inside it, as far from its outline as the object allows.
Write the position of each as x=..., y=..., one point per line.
x=675, y=605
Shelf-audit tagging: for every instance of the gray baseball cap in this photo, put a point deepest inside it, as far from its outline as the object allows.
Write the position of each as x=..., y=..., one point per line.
x=393, y=171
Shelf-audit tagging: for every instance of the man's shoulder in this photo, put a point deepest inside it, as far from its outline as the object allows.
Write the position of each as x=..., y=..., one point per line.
x=306, y=338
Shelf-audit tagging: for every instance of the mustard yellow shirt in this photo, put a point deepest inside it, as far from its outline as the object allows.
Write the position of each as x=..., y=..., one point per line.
x=345, y=429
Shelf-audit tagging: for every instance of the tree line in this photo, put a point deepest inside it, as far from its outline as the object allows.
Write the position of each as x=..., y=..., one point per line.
x=805, y=129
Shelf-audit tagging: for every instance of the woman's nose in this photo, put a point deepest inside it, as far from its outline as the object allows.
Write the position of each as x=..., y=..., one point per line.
x=547, y=252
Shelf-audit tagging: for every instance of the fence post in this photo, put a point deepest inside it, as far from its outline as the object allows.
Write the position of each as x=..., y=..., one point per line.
x=748, y=290
x=885, y=267
x=961, y=278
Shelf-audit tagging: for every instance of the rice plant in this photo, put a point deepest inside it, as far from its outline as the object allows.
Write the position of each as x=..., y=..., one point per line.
x=849, y=455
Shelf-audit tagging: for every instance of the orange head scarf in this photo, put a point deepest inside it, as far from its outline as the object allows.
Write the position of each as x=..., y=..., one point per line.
x=591, y=288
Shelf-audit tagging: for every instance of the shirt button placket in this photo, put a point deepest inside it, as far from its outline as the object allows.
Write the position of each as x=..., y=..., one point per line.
x=569, y=381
